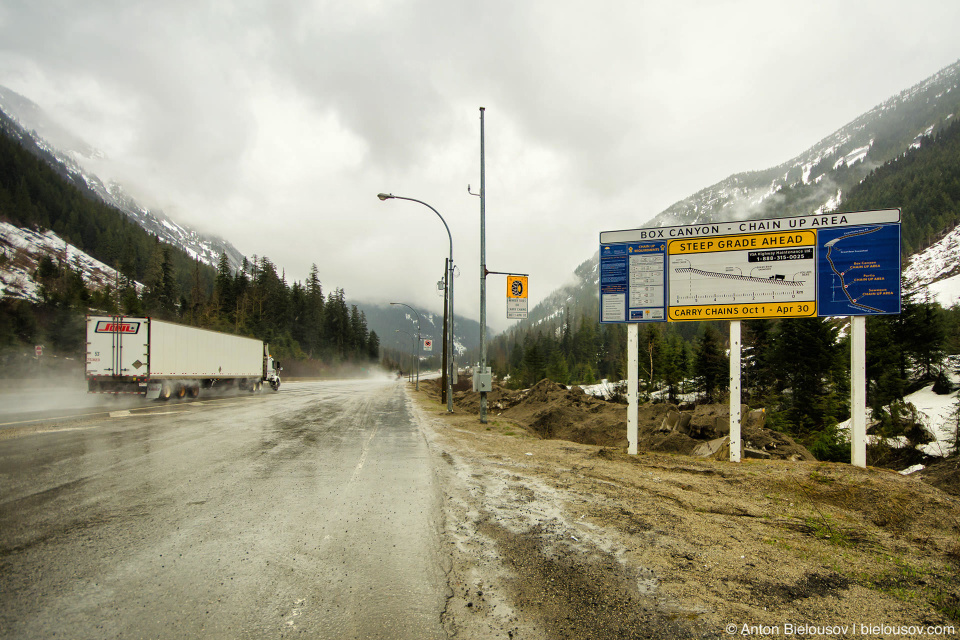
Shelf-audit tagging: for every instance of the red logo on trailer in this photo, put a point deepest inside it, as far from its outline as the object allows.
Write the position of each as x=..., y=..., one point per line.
x=111, y=326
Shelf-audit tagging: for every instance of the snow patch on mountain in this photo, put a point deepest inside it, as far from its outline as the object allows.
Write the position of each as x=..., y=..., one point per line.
x=21, y=251
x=937, y=269
x=29, y=124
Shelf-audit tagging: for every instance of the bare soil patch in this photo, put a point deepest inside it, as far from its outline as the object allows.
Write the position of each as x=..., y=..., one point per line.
x=555, y=539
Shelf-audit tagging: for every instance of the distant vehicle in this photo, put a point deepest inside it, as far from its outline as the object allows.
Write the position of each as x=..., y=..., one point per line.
x=161, y=360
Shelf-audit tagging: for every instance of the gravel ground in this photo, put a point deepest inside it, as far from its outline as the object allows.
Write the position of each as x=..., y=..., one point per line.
x=553, y=539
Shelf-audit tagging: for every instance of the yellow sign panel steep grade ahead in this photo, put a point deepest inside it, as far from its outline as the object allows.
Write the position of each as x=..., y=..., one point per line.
x=753, y=275
x=752, y=242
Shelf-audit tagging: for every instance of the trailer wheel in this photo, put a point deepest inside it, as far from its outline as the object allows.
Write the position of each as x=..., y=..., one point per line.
x=193, y=390
x=181, y=391
x=165, y=391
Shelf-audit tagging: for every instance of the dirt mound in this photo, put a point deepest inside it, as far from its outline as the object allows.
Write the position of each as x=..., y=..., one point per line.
x=554, y=411
x=945, y=475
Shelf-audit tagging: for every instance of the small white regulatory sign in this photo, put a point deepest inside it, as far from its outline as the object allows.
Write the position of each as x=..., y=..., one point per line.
x=427, y=344
x=516, y=297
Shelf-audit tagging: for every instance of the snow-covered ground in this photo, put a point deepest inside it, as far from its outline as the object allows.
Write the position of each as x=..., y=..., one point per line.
x=22, y=251
x=604, y=389
x=938, y=269
x=938, y=415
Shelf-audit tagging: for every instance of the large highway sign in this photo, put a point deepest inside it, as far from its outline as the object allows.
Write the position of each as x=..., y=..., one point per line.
x=827, y=265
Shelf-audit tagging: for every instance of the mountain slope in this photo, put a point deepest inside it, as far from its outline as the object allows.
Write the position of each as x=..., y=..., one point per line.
x=820, y=179
x=35, y=196
x=24, y=121
x=386, y=319
x=815, y=180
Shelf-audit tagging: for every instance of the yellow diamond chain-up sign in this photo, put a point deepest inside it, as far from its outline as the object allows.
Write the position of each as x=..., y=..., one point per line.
x=516, y=297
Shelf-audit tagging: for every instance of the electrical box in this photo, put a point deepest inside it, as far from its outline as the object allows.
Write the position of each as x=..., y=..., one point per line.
x=483, y=380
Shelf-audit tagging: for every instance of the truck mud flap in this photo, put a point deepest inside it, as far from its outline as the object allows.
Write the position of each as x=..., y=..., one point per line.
x=153, y=390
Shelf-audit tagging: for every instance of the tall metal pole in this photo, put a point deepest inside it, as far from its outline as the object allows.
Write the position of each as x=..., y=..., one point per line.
x=419, y=340
x=483, y=274
x=446, y=331
x=453, y=364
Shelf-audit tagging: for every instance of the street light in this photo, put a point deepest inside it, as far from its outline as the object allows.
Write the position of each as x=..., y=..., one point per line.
x=418, y=338
x=411, y=350
x=449, y=292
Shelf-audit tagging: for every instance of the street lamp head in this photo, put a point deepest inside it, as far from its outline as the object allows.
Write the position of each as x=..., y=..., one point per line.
x=384, y=196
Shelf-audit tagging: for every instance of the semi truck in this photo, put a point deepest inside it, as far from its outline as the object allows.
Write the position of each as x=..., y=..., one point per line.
x=162, y=360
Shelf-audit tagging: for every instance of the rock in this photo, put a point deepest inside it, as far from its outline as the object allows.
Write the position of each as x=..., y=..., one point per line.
x=712, y=448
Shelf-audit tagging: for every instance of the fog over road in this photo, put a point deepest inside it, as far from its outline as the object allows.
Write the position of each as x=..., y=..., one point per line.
x=311, y=511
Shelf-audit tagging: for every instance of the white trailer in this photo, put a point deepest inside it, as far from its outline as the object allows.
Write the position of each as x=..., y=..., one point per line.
x=160, y=359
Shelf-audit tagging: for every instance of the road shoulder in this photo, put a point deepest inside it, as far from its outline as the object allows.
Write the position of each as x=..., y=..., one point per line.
x=555, y=539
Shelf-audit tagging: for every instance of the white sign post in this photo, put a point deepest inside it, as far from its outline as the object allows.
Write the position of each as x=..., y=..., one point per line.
x=858, y=391
x=735, y=446
x=633, y=382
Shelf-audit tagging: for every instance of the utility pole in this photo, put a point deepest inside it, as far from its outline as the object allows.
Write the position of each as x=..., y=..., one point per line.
x=483, y=274
x=446, y=334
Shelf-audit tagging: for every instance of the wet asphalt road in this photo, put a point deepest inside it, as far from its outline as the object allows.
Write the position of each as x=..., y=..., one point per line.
x=312, y=512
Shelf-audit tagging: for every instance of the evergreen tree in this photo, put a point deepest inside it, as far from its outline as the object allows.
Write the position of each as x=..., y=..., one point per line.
x=757, y=376
x=585, y=344
x=373, y=346
x=674, y=365
x=533, y=361
x=557, y=369
x=223, y=289
x=712, y=365
x=336, y=325
x=806, y=356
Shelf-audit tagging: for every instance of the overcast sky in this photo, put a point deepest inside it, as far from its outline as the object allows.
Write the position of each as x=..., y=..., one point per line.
x=275, y=124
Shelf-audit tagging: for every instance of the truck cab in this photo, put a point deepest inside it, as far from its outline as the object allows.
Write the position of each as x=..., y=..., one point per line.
x=271, y=369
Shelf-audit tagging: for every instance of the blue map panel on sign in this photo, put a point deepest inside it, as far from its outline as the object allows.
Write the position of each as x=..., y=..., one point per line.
x=633, y=282
x=858, y=270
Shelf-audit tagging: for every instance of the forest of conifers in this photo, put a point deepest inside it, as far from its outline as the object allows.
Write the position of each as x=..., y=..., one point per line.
x=797, y=369
x=301, y=323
